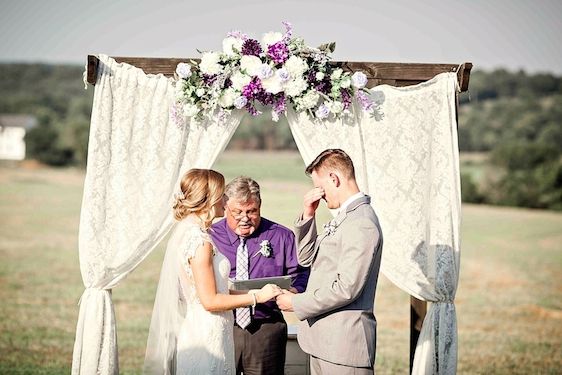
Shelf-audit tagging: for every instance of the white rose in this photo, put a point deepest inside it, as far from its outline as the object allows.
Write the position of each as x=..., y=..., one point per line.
x=239, y=80
x=210, y=63
x=336, y=107
x=296, y=66
x=227, y=98
x=183, y=70
x=310, y=99
x=319, y=76
x=179, y=90
x=251, y=64
x=231, y=45
x=272, y=84
x=359, y=79
x=190, y=110
x=336, y=74
x=200, y=92
x=345, y=82
x=295, y=87
x=271, y=38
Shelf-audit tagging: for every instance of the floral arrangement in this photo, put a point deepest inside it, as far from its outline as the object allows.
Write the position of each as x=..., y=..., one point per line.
x=265, y=249
x=278, y=71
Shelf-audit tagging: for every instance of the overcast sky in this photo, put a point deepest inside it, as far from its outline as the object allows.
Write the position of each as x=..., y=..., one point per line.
x=496, y=33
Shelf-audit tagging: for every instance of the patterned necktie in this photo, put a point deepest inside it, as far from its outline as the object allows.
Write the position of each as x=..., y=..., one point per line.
x=242, y=313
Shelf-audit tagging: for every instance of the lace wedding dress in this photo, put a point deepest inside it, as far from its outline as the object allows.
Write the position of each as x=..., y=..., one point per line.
x=205, y=339
x=185, y=338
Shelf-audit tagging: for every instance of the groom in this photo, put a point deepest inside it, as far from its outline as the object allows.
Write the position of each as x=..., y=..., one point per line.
x=338, y=327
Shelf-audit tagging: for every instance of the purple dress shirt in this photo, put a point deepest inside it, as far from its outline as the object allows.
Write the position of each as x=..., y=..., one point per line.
x=283, y=259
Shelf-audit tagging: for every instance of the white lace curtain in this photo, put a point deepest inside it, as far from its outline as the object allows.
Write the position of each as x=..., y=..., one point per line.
x=408, y=162
x=136, y=156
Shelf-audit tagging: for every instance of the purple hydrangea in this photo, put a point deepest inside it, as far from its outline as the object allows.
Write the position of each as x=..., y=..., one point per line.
x=252, y=89
x=278, y=52
x=251, y=47
x=324, y=86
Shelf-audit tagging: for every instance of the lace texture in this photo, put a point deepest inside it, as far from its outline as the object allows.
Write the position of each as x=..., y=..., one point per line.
x=407, y=160
x=136, y=157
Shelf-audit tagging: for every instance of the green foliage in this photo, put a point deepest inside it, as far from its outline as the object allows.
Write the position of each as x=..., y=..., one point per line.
x=469, y=190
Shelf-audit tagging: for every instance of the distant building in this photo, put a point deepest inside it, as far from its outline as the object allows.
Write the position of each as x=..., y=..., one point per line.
x=12, y=133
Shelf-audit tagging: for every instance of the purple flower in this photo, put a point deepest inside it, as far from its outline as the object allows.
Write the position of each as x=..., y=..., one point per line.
x=209, y=79
x=252, y=89
x=288, y=30
x=364, y=100
x=346, y=98
x=280, y=104
x=237, y=34
x=251, y=109
x=251, y=47
x=278, y=52
x=324, y=86
x=322, y=112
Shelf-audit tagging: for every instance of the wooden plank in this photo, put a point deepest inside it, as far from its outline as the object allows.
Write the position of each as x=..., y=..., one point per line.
x=396, y=74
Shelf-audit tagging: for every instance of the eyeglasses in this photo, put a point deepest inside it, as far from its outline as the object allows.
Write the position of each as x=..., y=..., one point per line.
x=239, y=215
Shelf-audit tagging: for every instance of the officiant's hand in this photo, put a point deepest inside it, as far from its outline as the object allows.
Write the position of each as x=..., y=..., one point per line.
x=311, y=202
x=268, y=292
x=285, y=300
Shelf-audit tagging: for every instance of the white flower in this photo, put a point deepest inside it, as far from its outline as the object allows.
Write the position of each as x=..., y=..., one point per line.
x=251, y=64
x=272, y=84
x=274, y=116
x=179, y=90
x=336, y=107
x=228, y=97
x=310, y=99
x=240, y=102
x=183, y=70
x=200, y=92
x=345, y=82
x=295, y=87
x=271, y=38
x=283, y=74
x=319, y=76
x=210, y=63
x=265, y=249
x=330, y=227
x=264, y=71
x=322, y=112
x=231, y=45
x=336, y=74
x=295, y=66
x=359, y=79
x=190, y=110
x=239, y=80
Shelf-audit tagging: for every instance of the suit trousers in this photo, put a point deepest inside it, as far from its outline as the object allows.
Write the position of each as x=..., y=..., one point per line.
x=261, y=347
x=321, y=367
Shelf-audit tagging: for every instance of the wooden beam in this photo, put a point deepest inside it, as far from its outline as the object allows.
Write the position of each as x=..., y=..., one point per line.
x=394, y=74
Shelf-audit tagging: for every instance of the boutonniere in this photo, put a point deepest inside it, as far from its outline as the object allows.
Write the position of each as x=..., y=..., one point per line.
x=265, y=249
x=330, y=227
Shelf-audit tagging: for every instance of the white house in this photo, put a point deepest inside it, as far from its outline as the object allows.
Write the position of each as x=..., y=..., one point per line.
x=12, y=132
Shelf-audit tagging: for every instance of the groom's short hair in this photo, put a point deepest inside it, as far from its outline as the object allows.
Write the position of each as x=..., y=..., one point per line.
x=333, y=159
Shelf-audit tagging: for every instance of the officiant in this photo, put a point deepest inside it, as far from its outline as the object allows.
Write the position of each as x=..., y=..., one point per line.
x=257, y=247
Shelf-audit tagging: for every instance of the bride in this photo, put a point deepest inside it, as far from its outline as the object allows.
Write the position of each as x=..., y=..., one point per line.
x=191, y=331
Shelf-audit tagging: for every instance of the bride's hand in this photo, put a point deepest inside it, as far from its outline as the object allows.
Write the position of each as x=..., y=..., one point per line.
x=268, y=292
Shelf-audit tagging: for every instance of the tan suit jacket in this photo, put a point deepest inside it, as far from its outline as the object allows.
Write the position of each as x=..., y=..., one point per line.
x=338, y=324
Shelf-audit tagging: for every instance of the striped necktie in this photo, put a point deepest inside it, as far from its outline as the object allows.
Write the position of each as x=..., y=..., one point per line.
x=242, y=313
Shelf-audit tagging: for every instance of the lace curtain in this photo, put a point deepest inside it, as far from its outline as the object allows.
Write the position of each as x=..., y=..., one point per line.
x=136, y=156
x=407, y=160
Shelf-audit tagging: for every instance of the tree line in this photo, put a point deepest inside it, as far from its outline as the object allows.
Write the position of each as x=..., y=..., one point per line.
x=514, y=117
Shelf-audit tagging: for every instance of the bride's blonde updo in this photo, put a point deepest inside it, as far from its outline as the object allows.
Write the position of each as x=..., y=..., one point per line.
x=202, y=189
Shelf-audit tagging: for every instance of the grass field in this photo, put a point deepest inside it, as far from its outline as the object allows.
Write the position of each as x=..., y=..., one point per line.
x=508, y=303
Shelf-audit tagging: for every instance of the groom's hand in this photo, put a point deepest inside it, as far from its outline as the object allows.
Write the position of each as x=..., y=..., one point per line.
x=285, y=300
x=311, y=202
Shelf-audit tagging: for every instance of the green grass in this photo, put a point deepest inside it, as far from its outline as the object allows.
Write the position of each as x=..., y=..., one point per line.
x=508, y=301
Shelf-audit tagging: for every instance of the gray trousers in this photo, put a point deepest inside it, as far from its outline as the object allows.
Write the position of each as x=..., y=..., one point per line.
x=321, y=367
x=261, y=347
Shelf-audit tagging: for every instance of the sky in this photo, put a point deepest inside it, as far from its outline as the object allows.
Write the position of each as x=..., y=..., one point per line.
x=512, y=34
